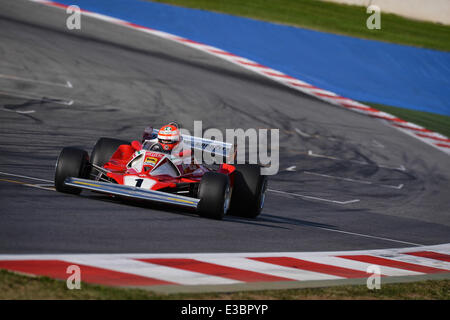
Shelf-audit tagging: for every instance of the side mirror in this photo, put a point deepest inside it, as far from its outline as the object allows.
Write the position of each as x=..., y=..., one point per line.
x=136, y=145
x=148, y=134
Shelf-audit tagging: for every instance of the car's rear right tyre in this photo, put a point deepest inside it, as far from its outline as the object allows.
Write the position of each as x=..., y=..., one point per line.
x=214, y=194
x=72, y=162
x=249, y=191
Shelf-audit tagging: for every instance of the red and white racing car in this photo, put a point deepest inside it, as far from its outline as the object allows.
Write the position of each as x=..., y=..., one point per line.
x=147, y=171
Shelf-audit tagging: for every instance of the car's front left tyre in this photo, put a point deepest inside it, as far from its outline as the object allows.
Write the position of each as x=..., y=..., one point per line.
x=72, y=162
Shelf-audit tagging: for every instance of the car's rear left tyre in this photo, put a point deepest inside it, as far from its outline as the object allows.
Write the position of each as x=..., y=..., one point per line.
x=249, y=191
x=103, y=150
x=214, y=194
x=72, y=162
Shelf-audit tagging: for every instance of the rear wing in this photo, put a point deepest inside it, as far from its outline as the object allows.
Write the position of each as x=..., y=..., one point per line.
x=224, y=149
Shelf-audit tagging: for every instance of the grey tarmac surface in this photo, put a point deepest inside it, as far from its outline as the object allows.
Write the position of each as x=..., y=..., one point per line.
x=122, y=80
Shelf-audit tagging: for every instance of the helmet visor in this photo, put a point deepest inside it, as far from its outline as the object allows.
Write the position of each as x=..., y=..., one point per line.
x=166, y=141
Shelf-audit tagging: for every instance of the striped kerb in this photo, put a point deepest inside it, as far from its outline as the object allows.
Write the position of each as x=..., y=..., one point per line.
x=215, y=270
x=313, y=266
x=393, y=263
x=58, y=269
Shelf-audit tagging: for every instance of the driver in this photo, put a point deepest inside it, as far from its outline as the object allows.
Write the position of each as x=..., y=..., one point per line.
x=169, y=138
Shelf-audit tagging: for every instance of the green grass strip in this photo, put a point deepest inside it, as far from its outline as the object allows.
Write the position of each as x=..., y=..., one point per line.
x=14, y=287
x=434, y=122
x=331, y=17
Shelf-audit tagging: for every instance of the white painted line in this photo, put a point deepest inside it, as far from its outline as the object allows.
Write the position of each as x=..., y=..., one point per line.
x=354, y=180
x=16, y=78
x=28, y=184
x=25, y=111
x=358, y=234
x=369, y=236
x=26, y=177
x=57, y=100
x=314, y=198
x=18, y=111
x=312, y=154
x=303, y=134
x=44, y=185
x=377, y=144
x=39, y=187
x=291, y=168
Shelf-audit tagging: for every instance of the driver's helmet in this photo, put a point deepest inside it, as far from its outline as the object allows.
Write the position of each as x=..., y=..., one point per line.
x=169, y=137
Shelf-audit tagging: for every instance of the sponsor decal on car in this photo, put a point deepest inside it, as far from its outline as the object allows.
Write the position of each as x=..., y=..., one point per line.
x=151, y=160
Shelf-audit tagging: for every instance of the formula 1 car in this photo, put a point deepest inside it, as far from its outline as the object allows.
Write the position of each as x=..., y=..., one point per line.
x=132, y=171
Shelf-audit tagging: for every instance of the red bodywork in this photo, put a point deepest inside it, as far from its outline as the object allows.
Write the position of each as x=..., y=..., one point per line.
x=121, y=172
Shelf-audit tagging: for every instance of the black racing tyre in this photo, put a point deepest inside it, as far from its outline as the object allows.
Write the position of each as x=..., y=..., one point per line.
x=249, y=190
x=72, y=162
x=214, y=194
x=103, y=150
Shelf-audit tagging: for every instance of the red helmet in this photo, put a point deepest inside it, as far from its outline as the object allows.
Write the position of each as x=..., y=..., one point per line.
x=169, y=137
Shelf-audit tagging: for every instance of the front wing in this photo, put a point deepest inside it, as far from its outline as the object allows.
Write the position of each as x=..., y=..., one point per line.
x=132, y=192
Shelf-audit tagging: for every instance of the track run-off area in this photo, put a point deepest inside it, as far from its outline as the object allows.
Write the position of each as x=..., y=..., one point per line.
x=346, y=181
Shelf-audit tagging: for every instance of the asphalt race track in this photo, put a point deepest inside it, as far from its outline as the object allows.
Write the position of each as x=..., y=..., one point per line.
x=365, y=185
